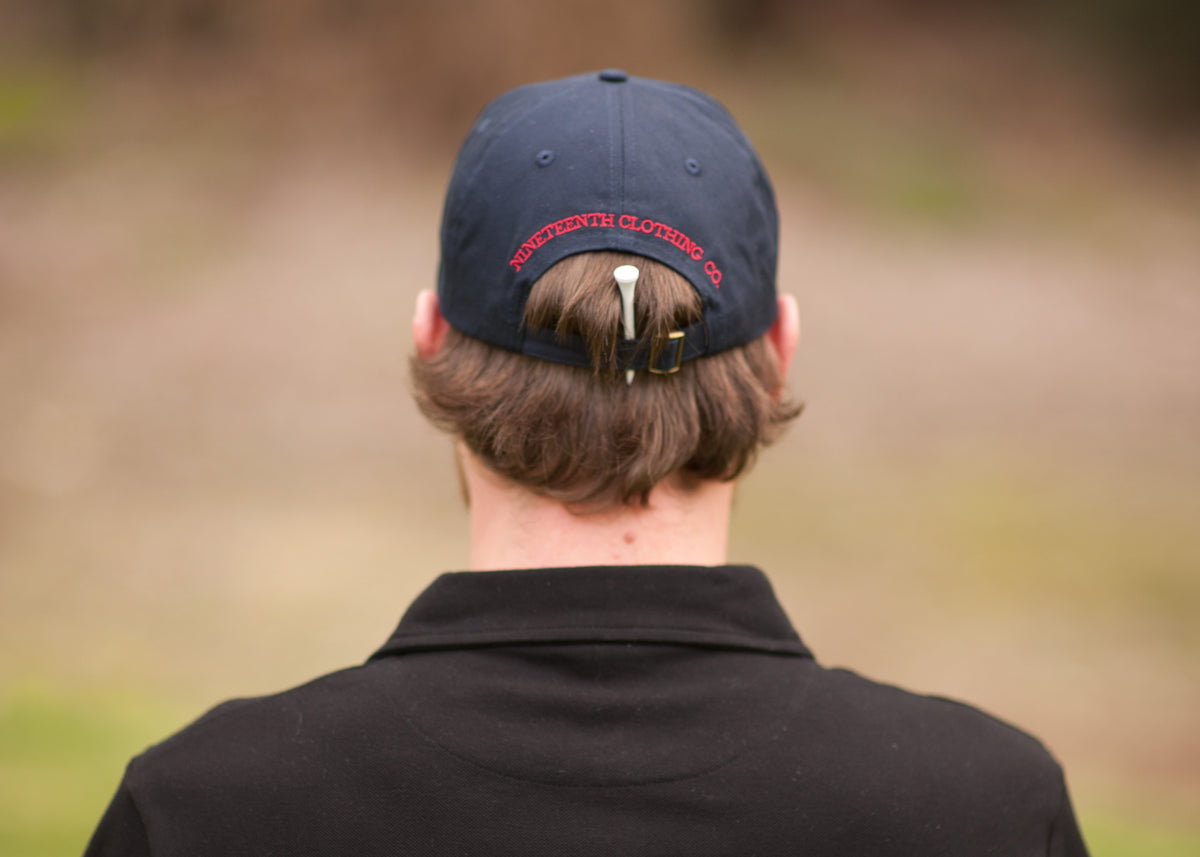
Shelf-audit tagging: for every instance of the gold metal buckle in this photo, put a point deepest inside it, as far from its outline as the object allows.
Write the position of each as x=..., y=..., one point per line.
x=671, y=337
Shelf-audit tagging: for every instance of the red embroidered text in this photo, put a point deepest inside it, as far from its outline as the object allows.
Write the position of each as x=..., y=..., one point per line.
x=602, y=220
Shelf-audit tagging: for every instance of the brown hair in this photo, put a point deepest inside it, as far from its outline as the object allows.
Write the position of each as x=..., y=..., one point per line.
x=582, y=436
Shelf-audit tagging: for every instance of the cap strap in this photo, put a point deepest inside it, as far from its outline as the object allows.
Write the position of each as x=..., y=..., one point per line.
x=674, y=349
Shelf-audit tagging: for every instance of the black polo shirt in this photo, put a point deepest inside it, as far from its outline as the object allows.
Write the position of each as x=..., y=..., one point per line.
x=593, y=711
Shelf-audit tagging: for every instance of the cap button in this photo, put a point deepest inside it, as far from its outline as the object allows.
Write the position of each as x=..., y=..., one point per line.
x=613, y=75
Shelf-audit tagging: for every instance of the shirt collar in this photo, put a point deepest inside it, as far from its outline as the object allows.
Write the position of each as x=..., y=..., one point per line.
x=729, y=607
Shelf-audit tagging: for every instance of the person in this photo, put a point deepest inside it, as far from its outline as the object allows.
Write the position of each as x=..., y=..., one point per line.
x=607, y=348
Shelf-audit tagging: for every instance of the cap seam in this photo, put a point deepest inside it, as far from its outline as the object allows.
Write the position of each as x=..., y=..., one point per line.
x=503, y=126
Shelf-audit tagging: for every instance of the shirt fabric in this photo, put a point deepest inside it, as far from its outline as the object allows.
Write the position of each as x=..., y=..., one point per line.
x=663, y=710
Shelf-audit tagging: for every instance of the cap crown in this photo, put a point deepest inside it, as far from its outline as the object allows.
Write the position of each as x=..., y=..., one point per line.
x=607, y=162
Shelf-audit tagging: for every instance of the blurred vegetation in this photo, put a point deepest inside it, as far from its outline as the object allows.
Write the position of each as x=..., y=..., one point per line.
x=39, y=107
x=1150, y=44
x=447, y=58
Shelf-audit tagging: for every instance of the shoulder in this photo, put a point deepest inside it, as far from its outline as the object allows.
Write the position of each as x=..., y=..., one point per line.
x=290, y=729
x=276, y=768
x=926, y=716
x=898, y=733
x=923, y=774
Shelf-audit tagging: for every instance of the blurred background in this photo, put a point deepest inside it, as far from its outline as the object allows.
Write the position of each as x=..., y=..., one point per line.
x=214, y=218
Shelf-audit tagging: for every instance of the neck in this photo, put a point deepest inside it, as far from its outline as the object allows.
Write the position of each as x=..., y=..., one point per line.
x=511, y=527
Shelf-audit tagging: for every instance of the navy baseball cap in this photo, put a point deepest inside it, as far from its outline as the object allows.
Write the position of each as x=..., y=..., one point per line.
x=607, y=161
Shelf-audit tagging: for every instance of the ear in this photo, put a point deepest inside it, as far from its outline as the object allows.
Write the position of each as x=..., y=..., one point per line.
x=784, y=334
x=429, y=327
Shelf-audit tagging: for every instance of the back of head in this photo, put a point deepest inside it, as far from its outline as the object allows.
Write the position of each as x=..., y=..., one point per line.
x=558, y=185
x=584, y=436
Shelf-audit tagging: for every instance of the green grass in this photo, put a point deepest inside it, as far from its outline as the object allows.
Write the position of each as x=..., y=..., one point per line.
x=1115, y=835
x=62, y=753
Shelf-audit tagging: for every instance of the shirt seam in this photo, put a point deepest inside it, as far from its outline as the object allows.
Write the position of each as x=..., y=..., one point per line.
x=782, y=724
x=137, y=809
x=1058, y=815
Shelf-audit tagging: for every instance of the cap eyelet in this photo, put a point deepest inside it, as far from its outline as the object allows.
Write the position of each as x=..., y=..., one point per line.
x=545, y=158
x=692, y=166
